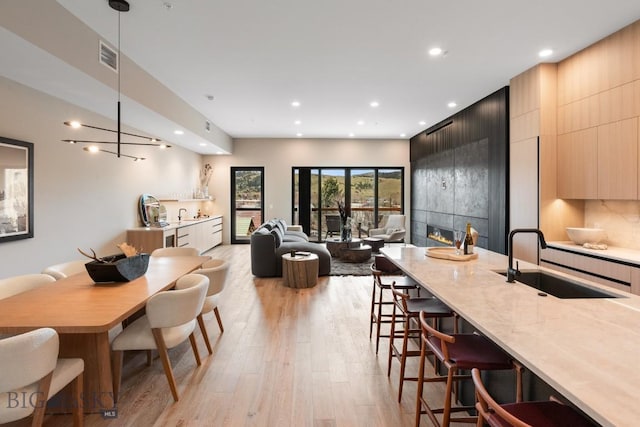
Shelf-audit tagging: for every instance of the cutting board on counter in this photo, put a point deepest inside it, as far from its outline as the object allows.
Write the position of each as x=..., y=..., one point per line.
x=449, y=253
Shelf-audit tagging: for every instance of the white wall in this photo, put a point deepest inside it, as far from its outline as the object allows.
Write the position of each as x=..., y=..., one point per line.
x=80, y=200
x=278, y=156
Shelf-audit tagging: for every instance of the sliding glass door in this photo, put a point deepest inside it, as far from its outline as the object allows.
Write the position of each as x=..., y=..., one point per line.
x=369, y=195
x=247, y=202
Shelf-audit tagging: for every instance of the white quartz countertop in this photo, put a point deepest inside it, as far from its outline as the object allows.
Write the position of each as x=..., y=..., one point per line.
x=612, y=252
x=178, y=224
x=587, y=349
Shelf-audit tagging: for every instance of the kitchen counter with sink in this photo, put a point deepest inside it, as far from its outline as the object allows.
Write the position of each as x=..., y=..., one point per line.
x=585, y=348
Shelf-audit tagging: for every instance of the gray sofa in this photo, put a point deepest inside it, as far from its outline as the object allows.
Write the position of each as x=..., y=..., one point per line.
x=273, y=239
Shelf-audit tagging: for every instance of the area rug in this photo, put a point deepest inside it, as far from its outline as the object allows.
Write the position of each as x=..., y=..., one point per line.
x=341, y=268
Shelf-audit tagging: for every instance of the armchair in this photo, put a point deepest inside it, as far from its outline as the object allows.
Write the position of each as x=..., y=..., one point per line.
x=393, y=230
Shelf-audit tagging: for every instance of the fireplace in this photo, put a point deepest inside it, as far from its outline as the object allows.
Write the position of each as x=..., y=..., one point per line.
x=439, y=236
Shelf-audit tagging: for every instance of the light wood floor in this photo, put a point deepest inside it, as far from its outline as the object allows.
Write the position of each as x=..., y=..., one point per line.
x=287, y=358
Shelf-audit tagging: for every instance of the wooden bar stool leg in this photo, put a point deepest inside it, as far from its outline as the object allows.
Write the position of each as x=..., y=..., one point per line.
x=373, y=310
x=403, y=355
x=423, y=351
x=392, y=335
x=379, y=320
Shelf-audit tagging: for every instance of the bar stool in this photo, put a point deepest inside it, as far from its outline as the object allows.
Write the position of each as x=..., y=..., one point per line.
x=458, y=352
x=550, y=413
x=378, y=316
x=410, y=308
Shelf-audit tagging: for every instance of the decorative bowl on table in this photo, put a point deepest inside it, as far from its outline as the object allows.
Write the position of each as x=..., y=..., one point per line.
x=580, y=236
x=119, y=268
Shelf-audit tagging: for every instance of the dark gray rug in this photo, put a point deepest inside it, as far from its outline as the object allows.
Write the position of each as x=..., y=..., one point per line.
x=340, y=268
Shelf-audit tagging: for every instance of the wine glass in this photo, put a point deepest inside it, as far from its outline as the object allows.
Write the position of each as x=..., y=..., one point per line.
x=457, y=240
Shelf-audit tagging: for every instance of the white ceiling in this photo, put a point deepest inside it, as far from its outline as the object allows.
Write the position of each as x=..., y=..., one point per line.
x=336, y=56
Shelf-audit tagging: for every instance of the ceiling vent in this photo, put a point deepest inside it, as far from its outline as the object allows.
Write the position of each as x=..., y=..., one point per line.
x=108, y=56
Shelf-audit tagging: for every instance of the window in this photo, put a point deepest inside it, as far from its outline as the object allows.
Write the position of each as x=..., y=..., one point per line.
x=369, y=195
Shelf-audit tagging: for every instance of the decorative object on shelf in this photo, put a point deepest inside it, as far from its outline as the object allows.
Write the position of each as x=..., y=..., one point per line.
x=205, y=177
x=117, y=268
x=119, y=6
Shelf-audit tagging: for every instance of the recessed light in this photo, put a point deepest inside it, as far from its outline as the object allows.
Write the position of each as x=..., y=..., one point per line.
x=402, y=135
x=545, y=53
x=210, y=97
x=75, y=124
x=436, y=51
x=360, y=122
x=452, y=105
x=295, y=103
x=93, y=149
x=162, y=146
x=203, y=144
x=297, y=122
x=351, y=135
x=374, y=104
x=298, y=134
x=422, y=123
x=219, y=152
x=178, y=132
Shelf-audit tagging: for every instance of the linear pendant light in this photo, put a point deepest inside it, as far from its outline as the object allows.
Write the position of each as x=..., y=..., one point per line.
x=119, y=6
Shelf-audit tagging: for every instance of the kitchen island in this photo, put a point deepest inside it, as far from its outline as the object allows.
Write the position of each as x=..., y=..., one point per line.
x=587, y=349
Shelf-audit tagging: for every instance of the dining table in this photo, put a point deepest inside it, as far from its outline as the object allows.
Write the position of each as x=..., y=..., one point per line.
x=83, y=312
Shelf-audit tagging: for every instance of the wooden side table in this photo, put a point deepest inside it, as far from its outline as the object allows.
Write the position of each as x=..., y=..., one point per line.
x=300, y=271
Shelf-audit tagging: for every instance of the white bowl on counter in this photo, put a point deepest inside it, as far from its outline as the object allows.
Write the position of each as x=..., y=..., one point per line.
x=580, y=236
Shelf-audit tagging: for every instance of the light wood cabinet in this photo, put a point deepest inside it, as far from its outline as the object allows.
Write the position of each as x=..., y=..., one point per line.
x=577, y=167
x=618, y=160
x=613, y=273
x=203, y=235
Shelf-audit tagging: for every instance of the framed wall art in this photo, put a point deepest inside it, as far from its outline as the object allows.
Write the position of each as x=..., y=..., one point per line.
x=16, y=189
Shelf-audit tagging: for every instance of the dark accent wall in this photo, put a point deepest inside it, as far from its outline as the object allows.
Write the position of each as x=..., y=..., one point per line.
x=459, y=171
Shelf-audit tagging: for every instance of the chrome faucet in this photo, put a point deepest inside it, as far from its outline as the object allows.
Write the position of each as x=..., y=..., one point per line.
x=179, y=211
x=511, y=272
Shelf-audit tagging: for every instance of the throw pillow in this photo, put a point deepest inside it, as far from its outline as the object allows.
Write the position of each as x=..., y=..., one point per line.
x=277, y=235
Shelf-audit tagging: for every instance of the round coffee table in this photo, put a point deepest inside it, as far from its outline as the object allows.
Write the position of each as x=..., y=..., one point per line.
x=359, y=254
x=337, y=246
x=300, y=271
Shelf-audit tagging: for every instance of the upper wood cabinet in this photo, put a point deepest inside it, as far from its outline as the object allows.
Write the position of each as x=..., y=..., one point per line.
x=618, y=160
x=577, y=168
x=599, y=162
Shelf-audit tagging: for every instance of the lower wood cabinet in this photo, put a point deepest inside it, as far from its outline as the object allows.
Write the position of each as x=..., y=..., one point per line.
x=203, y=235
x=609, y=272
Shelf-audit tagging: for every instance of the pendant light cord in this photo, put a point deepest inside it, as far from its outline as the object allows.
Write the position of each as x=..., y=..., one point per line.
x=119, y=71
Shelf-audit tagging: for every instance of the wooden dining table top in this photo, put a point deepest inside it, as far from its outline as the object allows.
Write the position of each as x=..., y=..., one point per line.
x=78, y=305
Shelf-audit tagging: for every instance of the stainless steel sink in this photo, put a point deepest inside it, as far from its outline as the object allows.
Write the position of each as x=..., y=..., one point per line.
x=558, y=286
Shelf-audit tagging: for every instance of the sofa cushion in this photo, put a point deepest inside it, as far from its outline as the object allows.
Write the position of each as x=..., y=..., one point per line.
x=278, y=236
x=295, y=236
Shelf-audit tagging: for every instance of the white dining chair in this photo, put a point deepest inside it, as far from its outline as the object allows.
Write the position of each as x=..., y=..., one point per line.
x=169, y=320
x=25, y=282
x=32, y=373
x=163, y=252
x=66, y=269
x=216, y=270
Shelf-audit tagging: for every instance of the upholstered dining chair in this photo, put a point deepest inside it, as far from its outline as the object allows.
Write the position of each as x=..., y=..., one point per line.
x=31, y=369
x=216, y=270
x=18, y=284
x=392, y=231
x=66, y=269
x=169, y=320
x=175, y=252
x=549, y=413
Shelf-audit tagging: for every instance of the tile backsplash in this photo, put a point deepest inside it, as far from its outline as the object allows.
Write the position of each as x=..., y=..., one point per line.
x=620, y=219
